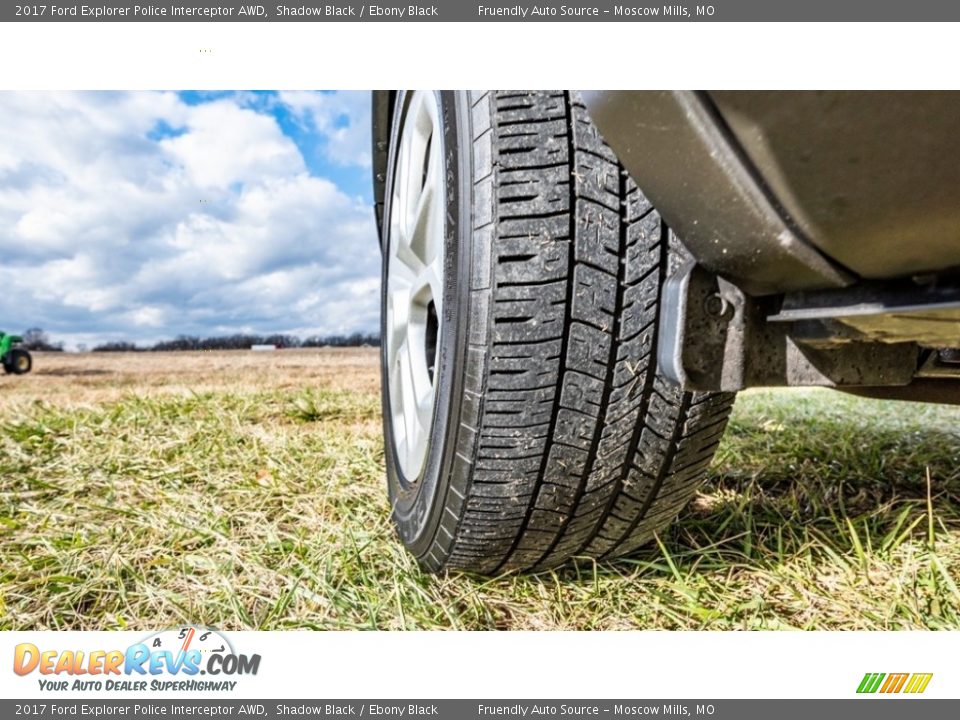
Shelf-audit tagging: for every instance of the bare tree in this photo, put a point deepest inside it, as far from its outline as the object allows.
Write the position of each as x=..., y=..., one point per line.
x=37, y=339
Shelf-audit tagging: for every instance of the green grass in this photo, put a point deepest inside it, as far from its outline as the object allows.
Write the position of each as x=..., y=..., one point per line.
x=266, y=510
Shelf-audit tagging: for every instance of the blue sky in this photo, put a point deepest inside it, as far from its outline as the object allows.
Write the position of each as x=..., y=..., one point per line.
x=145, y=215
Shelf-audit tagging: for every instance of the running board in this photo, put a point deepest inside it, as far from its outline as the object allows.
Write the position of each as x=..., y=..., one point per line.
x=928, y=315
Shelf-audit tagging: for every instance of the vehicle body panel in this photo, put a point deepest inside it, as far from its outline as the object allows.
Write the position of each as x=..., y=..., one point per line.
x=868, y=182
x=872, y=179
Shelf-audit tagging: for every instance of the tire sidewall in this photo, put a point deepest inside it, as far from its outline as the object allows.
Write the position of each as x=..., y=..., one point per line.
x=418, y=504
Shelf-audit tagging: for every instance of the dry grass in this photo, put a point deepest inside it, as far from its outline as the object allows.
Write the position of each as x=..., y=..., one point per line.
x=244, y=490
x=69, y=380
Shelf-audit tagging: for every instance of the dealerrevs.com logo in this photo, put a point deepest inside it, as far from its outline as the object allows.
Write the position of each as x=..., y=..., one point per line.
x=169, y=660
x=892, y=683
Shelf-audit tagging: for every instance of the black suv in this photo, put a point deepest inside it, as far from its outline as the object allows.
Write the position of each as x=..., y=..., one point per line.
x=575, y=286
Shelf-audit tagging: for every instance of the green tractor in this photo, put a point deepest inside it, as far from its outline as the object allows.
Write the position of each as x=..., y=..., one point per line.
x=15, y=359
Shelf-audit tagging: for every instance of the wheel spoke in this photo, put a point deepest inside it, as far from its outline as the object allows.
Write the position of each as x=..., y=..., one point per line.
x=435, y=226
x=397, y=323
x=429, y=284
x=408, y=187
x=420, y=387
x=426, y=237
x=421, y=241
x=408, y=398
x=396, y=414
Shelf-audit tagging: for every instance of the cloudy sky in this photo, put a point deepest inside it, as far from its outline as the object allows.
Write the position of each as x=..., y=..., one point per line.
x=146, y=215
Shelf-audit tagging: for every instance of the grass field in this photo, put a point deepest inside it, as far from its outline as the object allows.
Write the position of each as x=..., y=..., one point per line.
x=246, y=490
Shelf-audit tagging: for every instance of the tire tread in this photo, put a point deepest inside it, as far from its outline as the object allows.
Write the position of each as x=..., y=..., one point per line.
x=575, y=445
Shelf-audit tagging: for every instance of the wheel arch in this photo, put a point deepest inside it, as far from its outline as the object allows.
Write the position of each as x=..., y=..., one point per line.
x=382, y=102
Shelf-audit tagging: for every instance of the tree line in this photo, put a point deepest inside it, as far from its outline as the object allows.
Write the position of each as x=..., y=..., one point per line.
x=36, y=339
x=243, y=341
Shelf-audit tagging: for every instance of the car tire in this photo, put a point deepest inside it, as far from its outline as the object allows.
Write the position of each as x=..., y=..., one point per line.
x=535, y=427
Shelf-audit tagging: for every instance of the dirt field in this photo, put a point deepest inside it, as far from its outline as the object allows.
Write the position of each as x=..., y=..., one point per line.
x=246, y=490
x=76, y=378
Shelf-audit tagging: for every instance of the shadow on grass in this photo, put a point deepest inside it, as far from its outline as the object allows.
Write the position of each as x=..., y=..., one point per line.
x=783, y=489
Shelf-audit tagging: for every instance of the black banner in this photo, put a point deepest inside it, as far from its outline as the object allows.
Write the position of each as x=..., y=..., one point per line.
x=481, y=10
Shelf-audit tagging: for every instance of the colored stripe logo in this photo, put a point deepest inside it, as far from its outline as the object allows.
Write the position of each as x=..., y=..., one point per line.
x=913, y=683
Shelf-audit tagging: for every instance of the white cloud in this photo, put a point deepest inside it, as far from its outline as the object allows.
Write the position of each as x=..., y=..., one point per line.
x=139, y=216
x=343, y=119
x=225, y=144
